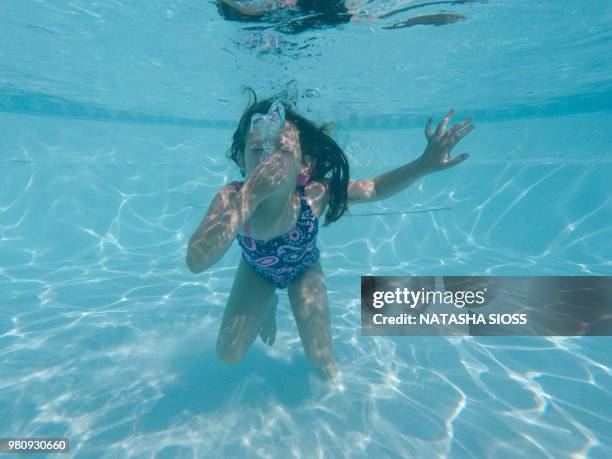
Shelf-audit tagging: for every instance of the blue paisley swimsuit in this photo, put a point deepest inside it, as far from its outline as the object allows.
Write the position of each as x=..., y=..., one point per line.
x=284, y=258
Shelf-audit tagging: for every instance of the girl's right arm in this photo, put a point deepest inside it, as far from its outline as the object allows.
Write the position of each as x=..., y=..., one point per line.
x=226, y=213
x=230, y=209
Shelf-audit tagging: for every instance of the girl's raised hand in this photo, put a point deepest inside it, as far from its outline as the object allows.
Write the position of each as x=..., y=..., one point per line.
x=440, y=143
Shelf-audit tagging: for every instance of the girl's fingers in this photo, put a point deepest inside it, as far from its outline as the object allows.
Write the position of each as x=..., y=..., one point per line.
x=444, y=122
x=453, y=136
x=428, y=126
x=445, y=138
x=456, y=160
x=461, y=134
x=461, y=124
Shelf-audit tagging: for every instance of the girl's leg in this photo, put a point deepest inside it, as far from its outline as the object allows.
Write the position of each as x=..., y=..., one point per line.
x=268, y=328
x=248, y=306
x=308, y=298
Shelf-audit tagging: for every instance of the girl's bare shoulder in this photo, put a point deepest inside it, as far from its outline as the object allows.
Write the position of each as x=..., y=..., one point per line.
x=317, y=195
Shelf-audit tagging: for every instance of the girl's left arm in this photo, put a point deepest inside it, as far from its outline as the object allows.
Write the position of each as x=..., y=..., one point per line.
x=436, y=157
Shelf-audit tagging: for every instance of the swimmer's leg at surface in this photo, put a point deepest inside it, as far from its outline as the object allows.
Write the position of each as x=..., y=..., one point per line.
x=248, y=307
x=310, y=305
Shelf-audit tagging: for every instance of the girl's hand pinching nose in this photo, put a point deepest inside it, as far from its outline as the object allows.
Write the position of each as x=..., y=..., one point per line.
x=440, y=143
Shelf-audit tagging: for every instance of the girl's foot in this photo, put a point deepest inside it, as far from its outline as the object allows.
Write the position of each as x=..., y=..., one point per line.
x=328, y=371
x=268, y=329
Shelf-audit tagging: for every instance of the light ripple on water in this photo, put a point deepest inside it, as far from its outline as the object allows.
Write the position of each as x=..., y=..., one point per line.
x=142, y=377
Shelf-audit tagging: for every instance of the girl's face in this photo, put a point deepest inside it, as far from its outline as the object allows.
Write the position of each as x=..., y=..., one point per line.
x=289, y=143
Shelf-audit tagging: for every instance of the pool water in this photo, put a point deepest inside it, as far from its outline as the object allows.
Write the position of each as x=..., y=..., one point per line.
x=115, y=122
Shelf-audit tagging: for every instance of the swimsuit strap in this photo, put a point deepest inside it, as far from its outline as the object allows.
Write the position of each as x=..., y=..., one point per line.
x=302, y=191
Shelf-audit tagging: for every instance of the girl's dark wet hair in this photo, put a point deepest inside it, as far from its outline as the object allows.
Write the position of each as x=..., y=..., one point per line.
x=320, y=13
x=329, y=161
x=331, y=12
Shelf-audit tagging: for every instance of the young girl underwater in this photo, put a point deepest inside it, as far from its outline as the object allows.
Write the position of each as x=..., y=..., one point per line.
x=294, y=174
